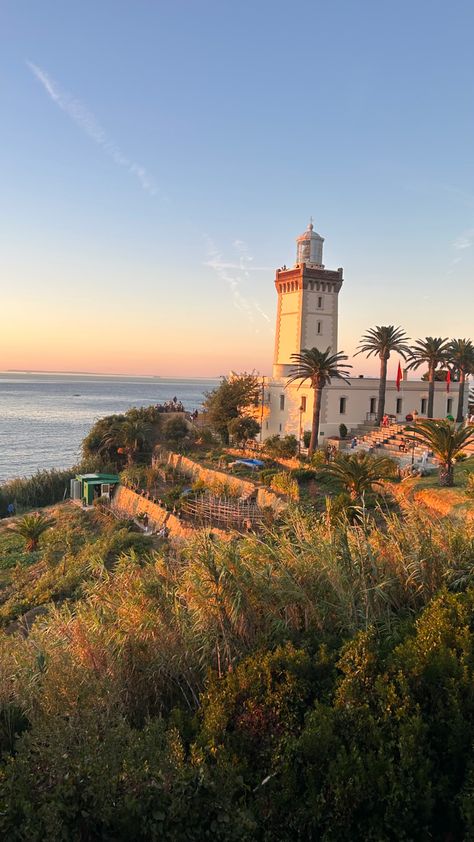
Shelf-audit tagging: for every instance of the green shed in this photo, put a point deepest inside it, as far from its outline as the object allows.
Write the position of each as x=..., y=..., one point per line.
x=88, y=487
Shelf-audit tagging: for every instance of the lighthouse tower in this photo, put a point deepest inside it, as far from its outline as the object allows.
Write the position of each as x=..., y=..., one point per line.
x=307, y=311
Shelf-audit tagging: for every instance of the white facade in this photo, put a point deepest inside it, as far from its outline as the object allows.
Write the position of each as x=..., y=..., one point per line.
x=350, y=403
x=307, y=317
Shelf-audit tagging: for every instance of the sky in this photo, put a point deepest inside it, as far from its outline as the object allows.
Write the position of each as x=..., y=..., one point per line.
x=159, y=157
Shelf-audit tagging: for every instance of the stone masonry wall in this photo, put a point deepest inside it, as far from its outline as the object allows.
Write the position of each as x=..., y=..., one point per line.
x=131, y=504
x=263, y=496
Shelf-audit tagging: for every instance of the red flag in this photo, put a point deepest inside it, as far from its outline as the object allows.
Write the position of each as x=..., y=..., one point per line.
x=448, y=380
x=399, y=376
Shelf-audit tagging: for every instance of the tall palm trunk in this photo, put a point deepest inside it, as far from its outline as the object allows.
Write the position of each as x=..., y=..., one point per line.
x=314, y=441
x=462, y=380
x=382, y=388
x=431, y=391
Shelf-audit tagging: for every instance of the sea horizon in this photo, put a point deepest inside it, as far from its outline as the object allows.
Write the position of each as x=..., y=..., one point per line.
x=44, y=416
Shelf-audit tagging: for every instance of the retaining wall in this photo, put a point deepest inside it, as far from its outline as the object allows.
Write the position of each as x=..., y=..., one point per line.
x=129, y=503
x=244, y=488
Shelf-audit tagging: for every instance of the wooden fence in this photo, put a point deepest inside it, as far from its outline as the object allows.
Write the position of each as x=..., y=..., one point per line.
x=223, y=511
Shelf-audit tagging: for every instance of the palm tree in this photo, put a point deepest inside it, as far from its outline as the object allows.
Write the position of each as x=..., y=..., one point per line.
x=445, y=441
x=129, y=435
x=360, y=472
x=31, y=528
x=431, y=351
x=380, y=341
x=461, y=357
x=319, y=367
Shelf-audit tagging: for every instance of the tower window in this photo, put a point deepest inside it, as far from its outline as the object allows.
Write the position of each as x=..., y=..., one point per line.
x=342, y=406
x=282, y=402
x=449, y=406
x=399, y=405
x=320, y=302
x=424, y=404
x=373, y=406
x=320, y=326
x=303, y=404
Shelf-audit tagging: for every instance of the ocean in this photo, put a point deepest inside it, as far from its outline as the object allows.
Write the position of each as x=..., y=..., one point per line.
x=44, y=417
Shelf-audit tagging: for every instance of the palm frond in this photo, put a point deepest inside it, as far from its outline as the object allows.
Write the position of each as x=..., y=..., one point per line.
x=382, y=340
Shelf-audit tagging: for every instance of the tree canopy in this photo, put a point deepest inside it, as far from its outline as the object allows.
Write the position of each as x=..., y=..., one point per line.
x=235, y=394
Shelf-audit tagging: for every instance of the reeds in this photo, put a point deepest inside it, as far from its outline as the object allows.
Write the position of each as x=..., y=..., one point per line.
x=156, y=627
x=42, y=489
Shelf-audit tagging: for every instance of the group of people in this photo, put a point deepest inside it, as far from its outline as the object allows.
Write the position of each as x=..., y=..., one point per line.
x=173, y=405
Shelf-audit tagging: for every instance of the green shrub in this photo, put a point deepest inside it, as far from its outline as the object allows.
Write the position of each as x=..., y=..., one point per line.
x=284, y=483
x=303, y=475
x=175, y=431
x=342, y=431
x=266, y=475
x=319, y=459
x=243, y=429
x=283, y=448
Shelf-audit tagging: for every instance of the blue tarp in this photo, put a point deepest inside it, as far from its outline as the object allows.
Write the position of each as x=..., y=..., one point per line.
x=251, y=463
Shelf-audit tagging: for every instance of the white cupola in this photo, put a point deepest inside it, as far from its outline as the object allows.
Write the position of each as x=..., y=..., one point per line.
x=309, y=248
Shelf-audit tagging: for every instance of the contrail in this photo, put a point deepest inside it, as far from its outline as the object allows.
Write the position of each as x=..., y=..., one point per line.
x=86, y=121
x=233, y=273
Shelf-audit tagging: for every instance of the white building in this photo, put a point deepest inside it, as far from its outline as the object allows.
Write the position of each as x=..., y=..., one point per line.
x=307, y=317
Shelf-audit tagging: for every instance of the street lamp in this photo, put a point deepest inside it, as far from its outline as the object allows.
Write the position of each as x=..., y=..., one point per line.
x=415, y=416
x=301, y=410
x=261, y=409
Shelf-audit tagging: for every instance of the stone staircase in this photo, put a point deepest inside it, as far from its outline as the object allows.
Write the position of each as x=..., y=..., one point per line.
x=387, y=440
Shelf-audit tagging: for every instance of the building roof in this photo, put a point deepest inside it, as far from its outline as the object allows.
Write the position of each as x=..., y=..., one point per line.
x=99, y=478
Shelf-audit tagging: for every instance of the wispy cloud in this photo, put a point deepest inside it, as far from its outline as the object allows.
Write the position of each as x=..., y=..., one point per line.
x=236, y=273
x=86, y=121
x=465, y=241
x=459, y=247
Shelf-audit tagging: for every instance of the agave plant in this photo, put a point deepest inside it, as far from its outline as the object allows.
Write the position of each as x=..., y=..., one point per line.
x=31, y=528
x=445, y=441
x=359, y=472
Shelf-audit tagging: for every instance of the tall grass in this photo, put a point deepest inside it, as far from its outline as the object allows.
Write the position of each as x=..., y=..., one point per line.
x=42, y=489
x=148, y=632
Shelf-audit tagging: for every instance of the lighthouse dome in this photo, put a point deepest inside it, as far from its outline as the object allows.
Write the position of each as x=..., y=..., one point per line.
x=309, y=247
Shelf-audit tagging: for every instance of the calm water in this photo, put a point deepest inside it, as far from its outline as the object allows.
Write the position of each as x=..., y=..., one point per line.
x=44, y=417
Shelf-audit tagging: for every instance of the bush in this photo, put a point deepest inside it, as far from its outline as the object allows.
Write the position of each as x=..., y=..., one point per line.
x=470, y=485
x=303, y=475
x=342, y=431
x=243, y=429
x=285, y=484
x=266, y=475
x=319, y=459
x=176, y=430
x=306, y=438
x=283, y=448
